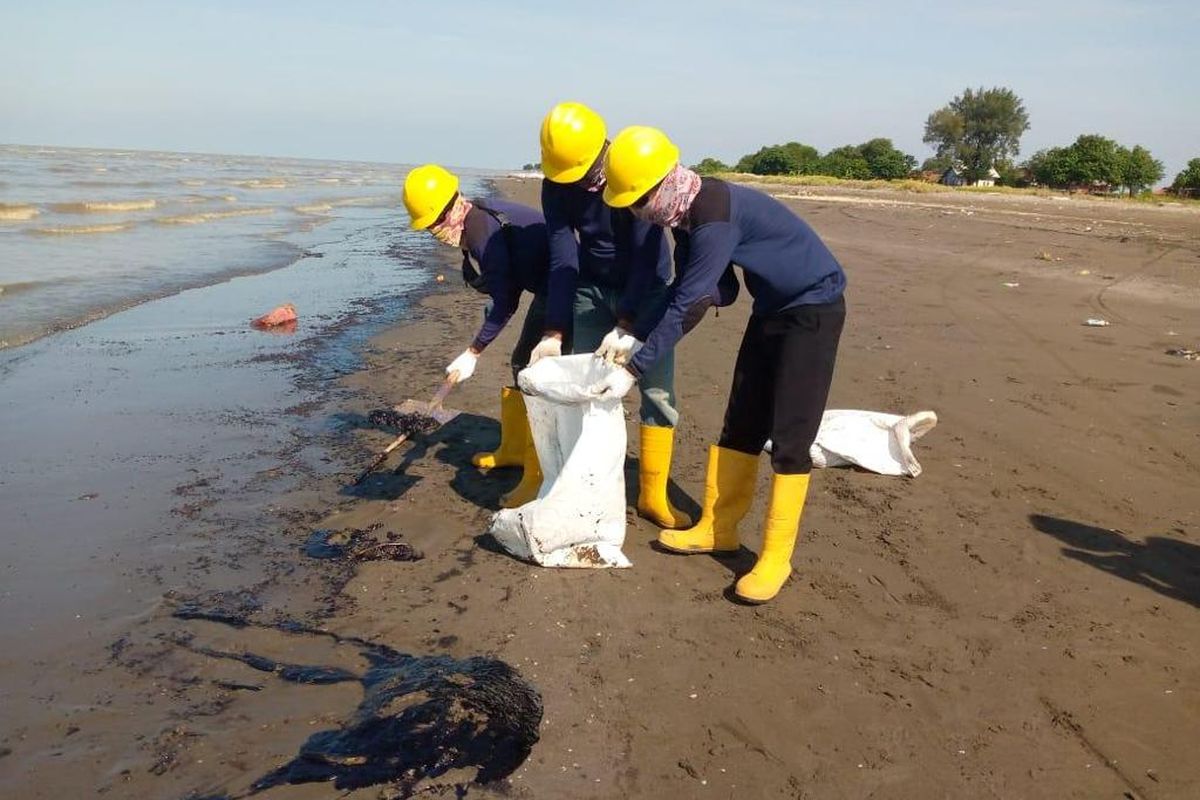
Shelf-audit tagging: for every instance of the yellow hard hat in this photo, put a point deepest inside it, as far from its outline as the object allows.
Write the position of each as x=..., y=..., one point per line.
x=638, y=158
x=427, y=192
x=572, y=136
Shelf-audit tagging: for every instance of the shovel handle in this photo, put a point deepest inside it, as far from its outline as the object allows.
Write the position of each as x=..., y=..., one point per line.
x=447, y=385
x=379, y=459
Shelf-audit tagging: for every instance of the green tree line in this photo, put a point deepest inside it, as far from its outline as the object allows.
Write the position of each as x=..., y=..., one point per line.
x=877, y=158
x=1094, y=160
x=977, y=131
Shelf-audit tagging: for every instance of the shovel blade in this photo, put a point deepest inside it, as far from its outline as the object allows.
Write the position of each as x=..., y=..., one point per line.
x=441, y=414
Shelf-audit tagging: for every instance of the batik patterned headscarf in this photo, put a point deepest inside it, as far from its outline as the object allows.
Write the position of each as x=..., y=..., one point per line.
x=450, y=230
x=669, y=203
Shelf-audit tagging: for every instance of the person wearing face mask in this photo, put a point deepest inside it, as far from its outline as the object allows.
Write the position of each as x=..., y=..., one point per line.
x=505, y=253
x=609, y=274
x=786, y=360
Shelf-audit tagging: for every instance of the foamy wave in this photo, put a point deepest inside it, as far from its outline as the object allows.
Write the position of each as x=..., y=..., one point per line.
x=192, y=182
x=329, y=180
x=315, y=208
x=209, y=216
x=191, y=199
x=16, y=212
x=73, y=230
x=104, y=207
x=262, y=183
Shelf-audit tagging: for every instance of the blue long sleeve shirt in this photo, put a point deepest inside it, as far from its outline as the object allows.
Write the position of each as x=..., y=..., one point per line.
x=604, y=246
x=507, y=263
x=784, y=263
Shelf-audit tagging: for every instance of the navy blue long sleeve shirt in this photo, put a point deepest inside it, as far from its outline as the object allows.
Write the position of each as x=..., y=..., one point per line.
x=784, y=263
x=605, y=246
x=507, y=264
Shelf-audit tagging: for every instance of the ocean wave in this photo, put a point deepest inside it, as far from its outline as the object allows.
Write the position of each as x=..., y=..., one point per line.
x=262, y=183
x=192, y=182
x=191, y=199
x=72, y=230
x=104, y=206
x=209, y=216
x=329, y=180
x=15, y=212
x=313, y=208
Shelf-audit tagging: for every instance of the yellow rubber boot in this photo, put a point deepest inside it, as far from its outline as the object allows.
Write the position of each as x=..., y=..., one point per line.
x=782, y=526
x=728, y=492
x=653, y=472
x=514, y=430
x=531, y=480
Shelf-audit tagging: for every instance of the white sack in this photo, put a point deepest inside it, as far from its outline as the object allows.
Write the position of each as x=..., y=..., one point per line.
x=578, y=518
x=872, y=440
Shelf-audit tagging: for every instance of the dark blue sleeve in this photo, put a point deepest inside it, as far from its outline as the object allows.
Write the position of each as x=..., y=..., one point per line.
x=708, y=252
x=645, y=247
x=564, y=260
x=496, y=270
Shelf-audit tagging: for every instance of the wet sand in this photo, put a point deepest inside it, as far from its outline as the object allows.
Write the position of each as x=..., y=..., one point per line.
x=1023, y=620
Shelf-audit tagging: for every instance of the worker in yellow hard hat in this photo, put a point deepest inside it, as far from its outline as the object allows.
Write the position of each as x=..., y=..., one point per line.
x=505, y=254
x=609, y=273
x=785, y=364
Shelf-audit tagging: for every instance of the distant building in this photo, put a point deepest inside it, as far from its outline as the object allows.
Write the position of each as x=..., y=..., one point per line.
x=956, y=176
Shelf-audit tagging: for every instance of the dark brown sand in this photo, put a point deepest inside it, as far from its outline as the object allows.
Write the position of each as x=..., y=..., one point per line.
x=1022, y=621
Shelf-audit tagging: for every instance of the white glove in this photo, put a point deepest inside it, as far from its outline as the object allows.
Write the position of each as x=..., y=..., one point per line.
x=616, y=384
x=464, y=365
x=618, y=347
x=548, y=347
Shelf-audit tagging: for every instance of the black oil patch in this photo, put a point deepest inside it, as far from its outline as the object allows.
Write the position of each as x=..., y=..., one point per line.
x=420, y=717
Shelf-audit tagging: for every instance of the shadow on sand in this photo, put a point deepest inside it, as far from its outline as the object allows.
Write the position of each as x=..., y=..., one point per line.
x=1168, y=566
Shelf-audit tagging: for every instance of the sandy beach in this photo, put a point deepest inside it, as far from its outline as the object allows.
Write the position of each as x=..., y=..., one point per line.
x=1019, y=621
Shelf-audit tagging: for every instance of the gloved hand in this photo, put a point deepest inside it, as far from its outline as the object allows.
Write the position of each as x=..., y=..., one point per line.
x=548, y=347
x=464, y=365
x=616, y=384
x=618, y=347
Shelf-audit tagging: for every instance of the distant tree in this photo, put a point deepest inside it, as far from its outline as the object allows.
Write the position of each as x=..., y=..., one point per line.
x=771, y=160
x=775, y=160
x=745, y=163
x=1097, y=160
x=978, y=129
x=1189, y=178
x=846, y=162
x=792, y=158
x=1139, y=170
x=530, y=167
x=884, y=161
x=1054, y=167
x=806, y=157
x=711, y=166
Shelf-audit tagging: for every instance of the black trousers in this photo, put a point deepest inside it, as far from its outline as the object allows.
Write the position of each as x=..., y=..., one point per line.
x=781, y=382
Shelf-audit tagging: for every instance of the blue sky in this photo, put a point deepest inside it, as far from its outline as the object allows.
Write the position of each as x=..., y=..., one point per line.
x=467, y=83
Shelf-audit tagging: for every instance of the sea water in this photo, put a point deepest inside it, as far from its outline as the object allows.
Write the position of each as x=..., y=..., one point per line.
x=87, y=232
